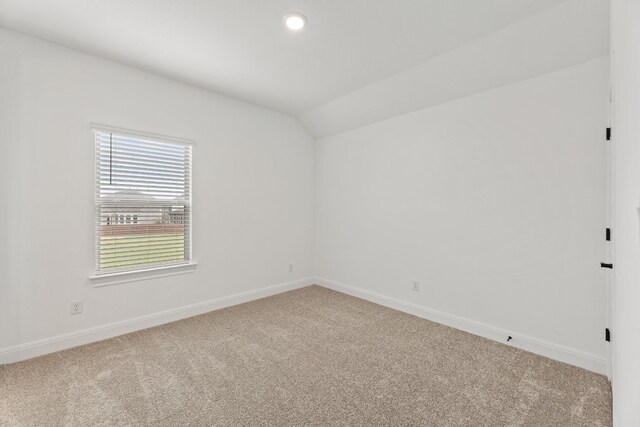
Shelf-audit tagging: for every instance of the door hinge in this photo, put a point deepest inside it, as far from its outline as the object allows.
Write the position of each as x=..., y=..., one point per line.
x=608, y=134
x=607, y=335
x=605, y=265
x=608, y=234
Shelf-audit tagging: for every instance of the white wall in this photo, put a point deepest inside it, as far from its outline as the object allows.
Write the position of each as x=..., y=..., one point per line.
x=8, y=134
x=253, y=190
x=625, y=34
x=496, y=203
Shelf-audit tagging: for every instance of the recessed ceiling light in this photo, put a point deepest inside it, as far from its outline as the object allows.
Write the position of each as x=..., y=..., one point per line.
x=295, y=21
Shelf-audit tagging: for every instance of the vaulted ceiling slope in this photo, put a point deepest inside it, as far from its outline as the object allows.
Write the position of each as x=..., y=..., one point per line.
x=352, y=52
x=567, y=34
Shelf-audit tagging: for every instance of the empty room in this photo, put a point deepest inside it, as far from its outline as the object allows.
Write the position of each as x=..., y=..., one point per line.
x=320, y=212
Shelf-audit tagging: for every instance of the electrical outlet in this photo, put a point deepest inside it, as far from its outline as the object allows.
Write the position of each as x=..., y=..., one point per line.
x=290, y=268
x=415, y=286
x=76, y=307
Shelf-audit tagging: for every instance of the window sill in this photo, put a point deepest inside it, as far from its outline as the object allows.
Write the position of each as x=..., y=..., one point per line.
x=109, y=279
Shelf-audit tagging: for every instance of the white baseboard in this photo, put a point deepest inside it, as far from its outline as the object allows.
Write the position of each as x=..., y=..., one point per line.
x=564, y=354
x=558, y=352
x=73, y=339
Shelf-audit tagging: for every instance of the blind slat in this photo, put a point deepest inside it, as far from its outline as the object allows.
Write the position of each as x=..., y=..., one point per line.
x=131, y=156
x=162, y=145
x=142, y=167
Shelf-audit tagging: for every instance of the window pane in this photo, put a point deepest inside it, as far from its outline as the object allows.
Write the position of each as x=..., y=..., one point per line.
x=143, y=198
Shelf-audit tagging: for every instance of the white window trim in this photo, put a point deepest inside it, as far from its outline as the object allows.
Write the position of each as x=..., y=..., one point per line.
x=109, y=279
x=156, y=136
x=119, y=277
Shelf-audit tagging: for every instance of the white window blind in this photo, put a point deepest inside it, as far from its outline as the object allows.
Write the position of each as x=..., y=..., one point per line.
x=143, y=201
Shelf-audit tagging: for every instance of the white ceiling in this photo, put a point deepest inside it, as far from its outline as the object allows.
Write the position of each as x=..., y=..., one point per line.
x=240, y=48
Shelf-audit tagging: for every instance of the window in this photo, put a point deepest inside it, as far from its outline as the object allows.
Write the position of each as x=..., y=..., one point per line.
x=143, y=201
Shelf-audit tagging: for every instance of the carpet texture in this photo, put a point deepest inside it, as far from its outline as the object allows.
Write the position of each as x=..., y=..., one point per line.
x=306, y=357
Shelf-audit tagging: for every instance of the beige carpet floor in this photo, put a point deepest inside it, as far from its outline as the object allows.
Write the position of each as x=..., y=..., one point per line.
x=307, y=357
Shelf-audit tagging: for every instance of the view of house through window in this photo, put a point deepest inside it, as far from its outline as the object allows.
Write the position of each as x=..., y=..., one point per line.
x=143, y=201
